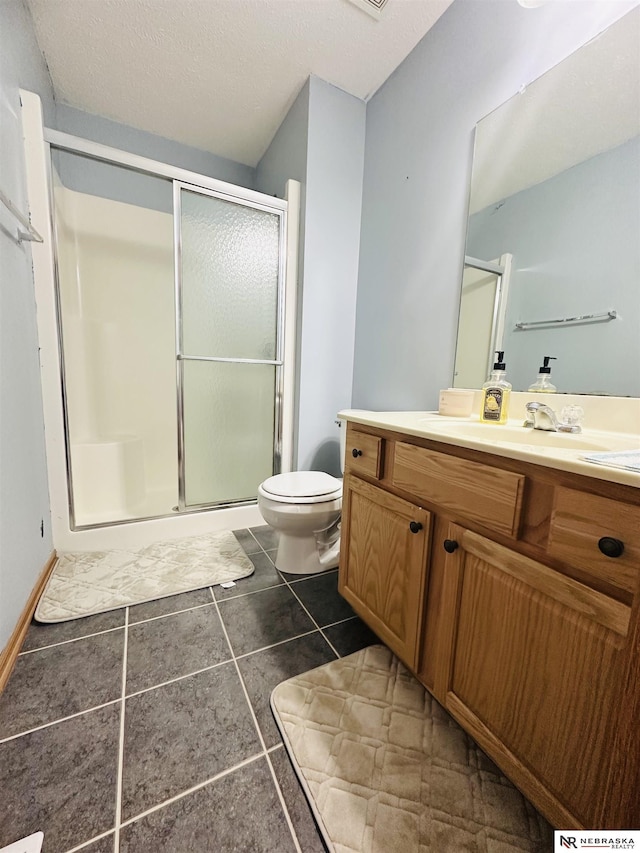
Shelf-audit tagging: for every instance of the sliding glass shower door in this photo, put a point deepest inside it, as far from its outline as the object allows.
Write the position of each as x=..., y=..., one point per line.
x=229, y=300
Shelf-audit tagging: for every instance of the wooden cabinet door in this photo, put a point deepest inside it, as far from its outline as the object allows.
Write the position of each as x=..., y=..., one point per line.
x=532, y=672
x=383, y=564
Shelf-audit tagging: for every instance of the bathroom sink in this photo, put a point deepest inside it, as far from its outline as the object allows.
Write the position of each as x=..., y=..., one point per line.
x=536, y=438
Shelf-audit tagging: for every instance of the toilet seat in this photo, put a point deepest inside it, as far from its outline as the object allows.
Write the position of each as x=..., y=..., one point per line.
x=302, y=487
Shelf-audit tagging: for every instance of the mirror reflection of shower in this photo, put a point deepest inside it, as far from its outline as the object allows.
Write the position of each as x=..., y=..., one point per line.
x=483, y=304
x=127, y=385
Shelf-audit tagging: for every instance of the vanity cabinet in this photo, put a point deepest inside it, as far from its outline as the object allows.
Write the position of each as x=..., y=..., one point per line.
x=489, y=578
x=529, y=661
x=382, y=571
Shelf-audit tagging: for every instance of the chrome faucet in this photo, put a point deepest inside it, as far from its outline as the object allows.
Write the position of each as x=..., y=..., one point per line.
x=541, y=416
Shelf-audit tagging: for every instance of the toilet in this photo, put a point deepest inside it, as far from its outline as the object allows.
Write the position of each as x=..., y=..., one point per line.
x=304, y=507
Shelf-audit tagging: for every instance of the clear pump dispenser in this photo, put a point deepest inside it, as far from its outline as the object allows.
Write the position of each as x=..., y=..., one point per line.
x=543, y=384
x=496, y=392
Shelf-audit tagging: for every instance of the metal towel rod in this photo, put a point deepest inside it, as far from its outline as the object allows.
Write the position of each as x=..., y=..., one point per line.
x=27, y=231
x=583, y=318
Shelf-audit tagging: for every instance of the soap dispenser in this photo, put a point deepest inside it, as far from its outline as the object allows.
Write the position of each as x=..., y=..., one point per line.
x=495, y=394
x=543, y=384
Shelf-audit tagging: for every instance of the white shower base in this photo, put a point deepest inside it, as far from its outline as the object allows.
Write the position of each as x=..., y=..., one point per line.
x=110, y=490
x=154, y=503
x=136, y=534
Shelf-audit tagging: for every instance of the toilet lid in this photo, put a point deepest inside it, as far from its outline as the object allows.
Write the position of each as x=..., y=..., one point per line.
x=303, y=484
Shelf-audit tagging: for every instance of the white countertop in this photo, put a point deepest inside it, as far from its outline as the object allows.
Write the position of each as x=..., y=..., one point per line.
x=565, y=455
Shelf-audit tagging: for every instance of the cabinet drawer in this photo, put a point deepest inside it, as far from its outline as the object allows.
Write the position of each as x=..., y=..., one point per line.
x=580, y=520
x=470, y=490
x=364, y=453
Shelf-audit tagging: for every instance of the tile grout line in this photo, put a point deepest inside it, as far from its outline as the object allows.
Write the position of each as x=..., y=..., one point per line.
x=259, y=544
x=177, y=678
x=340, y=622
x=288, y=584
x=71, y=640
x=118, y=627
x=118, y=814
x=59, y=720
x=174, y=680
x=227, y=661
x=173, y=613
x=265, y=752
x=326, y=639
x=275, y=645
x=290, y=587
x=283, y=582
x=90, y=841
x=296, y=579
x=224, y=662
x=249, y=592
x=177, y=797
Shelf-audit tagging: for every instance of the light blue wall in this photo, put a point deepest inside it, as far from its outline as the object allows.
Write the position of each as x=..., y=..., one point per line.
x=575, y=241
x=24, y=497
x=285, y=158
x=321, y=143
x=417, y=166
x=335, y=168
x=108, y=132
x=119, y=184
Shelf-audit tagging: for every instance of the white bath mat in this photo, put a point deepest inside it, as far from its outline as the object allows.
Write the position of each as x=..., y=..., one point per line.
x=387, y=770
x=82, y=584
x=32, y=844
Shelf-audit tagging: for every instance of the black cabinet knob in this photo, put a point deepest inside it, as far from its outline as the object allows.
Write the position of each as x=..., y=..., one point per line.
x=611, y=547
x=355, y=453
x=415, y=526
x=450, y=545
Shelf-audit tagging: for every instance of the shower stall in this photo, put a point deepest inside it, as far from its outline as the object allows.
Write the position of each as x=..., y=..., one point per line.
x=174, y=313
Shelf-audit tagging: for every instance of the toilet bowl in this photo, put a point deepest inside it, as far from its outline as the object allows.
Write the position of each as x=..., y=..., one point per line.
x=304, y=508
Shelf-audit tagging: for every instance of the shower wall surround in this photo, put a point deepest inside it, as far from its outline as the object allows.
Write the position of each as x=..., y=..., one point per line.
x=115, y=269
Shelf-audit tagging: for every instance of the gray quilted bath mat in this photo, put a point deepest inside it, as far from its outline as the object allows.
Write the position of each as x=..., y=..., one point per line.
x=82, y=584
x=387, y=770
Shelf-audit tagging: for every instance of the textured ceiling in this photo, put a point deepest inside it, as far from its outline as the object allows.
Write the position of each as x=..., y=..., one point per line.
x=219, y=75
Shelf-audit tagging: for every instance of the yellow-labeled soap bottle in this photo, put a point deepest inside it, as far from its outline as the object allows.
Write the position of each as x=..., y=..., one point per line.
x=495, y=394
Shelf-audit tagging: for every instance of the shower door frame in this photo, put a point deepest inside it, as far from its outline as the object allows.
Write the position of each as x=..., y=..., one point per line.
x=181, y=356
x=284, y=388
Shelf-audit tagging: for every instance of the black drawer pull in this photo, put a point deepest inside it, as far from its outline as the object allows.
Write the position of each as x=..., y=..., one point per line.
x=355, y=453
x=611, y=547
x=450, y=545
x=415, y=526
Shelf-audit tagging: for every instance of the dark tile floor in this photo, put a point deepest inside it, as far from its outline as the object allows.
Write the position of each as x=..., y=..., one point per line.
x=150, y=729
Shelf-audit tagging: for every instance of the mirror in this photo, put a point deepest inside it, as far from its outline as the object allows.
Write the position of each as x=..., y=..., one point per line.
x=552, y=265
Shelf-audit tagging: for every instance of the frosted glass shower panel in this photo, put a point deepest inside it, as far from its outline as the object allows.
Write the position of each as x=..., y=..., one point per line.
x=230, y=277
x=229, y=417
